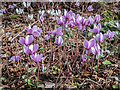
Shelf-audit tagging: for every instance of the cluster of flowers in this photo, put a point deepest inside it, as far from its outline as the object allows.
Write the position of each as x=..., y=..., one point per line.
x=71, y=20
x=57, y=32
x=30, y=49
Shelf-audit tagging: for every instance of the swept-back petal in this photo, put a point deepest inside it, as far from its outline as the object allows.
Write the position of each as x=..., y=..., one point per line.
x=27, y=50
x=91, y=43
x=22, y=40
x=85, y=43
x=28, y=39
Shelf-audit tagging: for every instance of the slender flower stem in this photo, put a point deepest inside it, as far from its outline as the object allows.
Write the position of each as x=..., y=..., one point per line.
x=98, y=65
x=92, y=64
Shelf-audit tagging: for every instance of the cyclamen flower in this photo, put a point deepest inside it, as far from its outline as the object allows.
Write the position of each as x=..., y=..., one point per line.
x=77, y=3
x=95, y=50
x=89, y=44
x=31, y=49
x=34, y=30
x=109, y=34
x=47, y=37
x=59, y=40
x=37, y=58
x=16, y=58
x=12, y=6
x=26, y=41
x=85, y=22
x=61, y=20
x=97, y=18
x=90, y=8
x=41, y=18
x=96, y=29
x=99, y=37
x=78, y=19
x=90, y=20
x=3, y=10
x=58, y=31
x=71, y=24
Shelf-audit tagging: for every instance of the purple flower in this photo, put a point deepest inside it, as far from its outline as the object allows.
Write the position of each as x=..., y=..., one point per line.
x=99, y=37
x=34, y=30
x=37, y=58
x=26, y=41
x=85, y=22
x=71, y=24
x=90, y=8
x=58, y=31
x=11, y=6
x=97, y=18
x=41, y=18
x=78, y=19
x=77, y=3
x=59, y=40
x=69, y=15
x=61, y=20
x=89, y=44
x=96, y=29
x=3, y=10
x=90, y=20
x=47, y=37
x=16, y=58
x=14, y=4
x=95, y=50
x=31, y=49
x=109, y=34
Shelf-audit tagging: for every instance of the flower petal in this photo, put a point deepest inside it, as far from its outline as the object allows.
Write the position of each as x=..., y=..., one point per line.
x=22, y=40
x=27, y=50
x=28, y=39
x=85, y=43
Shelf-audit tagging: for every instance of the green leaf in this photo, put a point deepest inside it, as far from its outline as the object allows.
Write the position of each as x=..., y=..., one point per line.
x=26, y=80
x=14, y=16
x=1, y=14
x=30, y=70
x=41, y=48
x=41, y=85
x=95, y=67
x=54, y=73
x=117, y=78
x=115, y=86
x=24, y=76
x=106, y=62
x=3, y=78
x=89, y=34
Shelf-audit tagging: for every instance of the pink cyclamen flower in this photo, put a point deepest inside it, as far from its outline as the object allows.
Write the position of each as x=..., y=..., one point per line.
x=41, y=18
x=77, y=3
x=2, y=10
x=96, y=29
x=109, y=34
x=99, y=37
x=47, y=37
x=16, y=58
x=58, y=31
x=89, y=44
x=59, y=40
x=90, y=20
x=97, y=18
x=78, y=19
x=95, y=50
x=31, y=49
x=90, y=8
x=26, y=41
x=37, y=58
x=35, y=30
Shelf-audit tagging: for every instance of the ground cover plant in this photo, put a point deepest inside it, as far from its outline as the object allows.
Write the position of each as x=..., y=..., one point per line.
x=72, y=45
